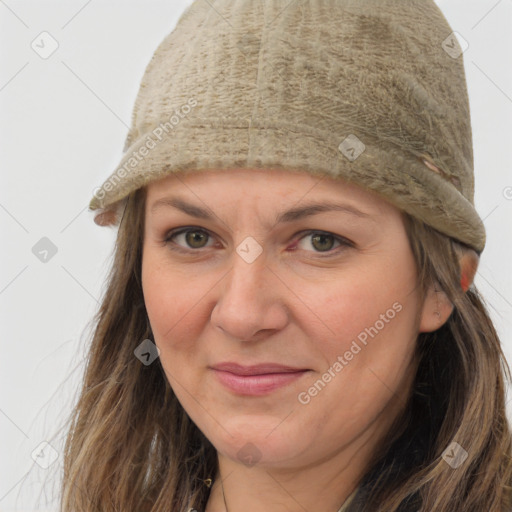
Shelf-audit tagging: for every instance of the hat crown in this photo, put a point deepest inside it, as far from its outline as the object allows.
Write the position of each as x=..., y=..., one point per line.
x=375, y=68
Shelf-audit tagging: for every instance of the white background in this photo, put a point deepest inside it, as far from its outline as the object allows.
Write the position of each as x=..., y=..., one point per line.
x=62, y=128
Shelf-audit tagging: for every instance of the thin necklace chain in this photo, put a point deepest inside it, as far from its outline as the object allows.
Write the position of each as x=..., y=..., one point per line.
x=224, y=496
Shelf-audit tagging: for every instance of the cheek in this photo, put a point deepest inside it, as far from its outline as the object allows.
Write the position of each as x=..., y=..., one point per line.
x=366, y=336
x=171, y=328
x=368, y=331
x=171, y=304
x=368, y=301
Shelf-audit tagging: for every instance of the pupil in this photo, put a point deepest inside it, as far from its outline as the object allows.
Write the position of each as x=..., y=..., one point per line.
x=322, y=237
x=196, y=236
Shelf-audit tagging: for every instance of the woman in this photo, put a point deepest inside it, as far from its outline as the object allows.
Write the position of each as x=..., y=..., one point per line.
x=238, y=362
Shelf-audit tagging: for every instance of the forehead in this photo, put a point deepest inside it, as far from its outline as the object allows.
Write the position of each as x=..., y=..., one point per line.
x=241, y=184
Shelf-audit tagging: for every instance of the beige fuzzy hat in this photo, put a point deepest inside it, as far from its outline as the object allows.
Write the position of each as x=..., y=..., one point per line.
x=370, y=91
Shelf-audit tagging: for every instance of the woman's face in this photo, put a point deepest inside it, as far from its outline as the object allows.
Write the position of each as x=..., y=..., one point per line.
x=262, y=277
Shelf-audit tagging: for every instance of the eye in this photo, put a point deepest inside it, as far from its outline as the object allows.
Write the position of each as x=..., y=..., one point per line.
x=323, y=241
x=194, y=238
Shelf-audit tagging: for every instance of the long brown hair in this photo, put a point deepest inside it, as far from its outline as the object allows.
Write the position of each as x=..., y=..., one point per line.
x=131, y=446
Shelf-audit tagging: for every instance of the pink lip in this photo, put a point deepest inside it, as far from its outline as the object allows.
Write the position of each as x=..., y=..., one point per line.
x=257, y=379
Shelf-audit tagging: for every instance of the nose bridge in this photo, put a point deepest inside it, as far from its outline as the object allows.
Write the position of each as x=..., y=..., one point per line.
x=249, y=275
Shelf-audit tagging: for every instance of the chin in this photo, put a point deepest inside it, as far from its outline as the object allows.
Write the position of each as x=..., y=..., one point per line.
x=251, y=443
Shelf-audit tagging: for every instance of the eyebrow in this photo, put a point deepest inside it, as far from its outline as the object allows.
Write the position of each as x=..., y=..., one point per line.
x=291, y=215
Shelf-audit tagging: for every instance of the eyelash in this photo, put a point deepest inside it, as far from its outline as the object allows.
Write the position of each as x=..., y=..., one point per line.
x=344, y=243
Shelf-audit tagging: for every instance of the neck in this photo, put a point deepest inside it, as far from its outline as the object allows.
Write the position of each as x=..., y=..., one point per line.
x=323, y=487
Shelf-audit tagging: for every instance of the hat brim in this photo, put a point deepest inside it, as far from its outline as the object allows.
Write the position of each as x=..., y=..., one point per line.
x=227, y=143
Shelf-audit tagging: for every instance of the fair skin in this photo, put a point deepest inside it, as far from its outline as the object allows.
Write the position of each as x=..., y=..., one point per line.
x=299, y=303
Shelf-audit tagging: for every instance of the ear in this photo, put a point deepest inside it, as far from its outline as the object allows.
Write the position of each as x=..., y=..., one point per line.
x=105, y=218
x=437, y=308
x=111, y=215
x=468, y=266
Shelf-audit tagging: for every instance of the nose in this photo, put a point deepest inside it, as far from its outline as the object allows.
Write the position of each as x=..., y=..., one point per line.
x=251, y=301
